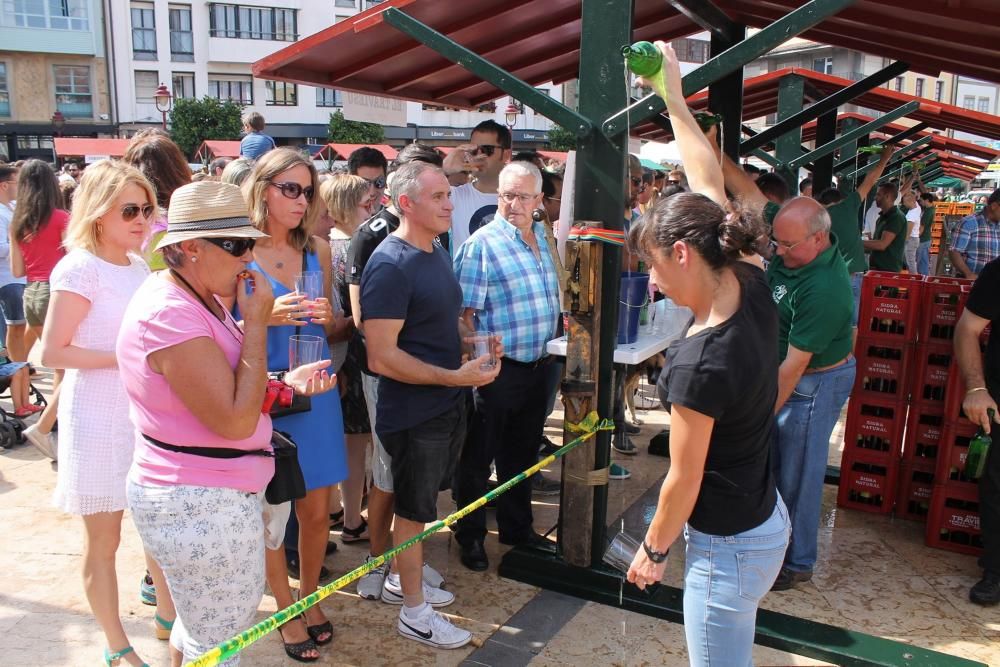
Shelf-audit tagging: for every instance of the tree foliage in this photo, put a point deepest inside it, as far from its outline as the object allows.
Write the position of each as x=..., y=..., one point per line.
x=343, y=131
x=193, y=121
x=561, y=139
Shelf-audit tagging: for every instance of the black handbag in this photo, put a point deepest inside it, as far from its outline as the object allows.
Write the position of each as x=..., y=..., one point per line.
x=286, y=484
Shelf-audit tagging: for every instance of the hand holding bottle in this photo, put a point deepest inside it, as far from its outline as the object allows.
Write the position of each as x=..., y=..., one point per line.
x=977, y=406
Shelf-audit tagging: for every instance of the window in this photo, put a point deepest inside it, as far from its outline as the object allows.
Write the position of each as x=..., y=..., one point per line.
x=235, y=87
x=146, y=84
x=73, y=96
x=181, y=36
x=27, y=142
x=899, y=83
x=143, y=31
x=54, y=14
x=183, y=84
x=984, y=105
x=824, y=65
x=919, y=90
x=243, y=22
x=969, y=102
x=281, y=94
x=328, y=97
x=347, y=3
x=4, y=92
x=938, y=90
x=691, y=50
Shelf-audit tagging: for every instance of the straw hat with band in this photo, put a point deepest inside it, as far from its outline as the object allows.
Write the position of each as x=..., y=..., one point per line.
x=207, y=209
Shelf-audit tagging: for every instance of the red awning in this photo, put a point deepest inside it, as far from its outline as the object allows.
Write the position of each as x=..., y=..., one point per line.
x=216, y=148
x=540, y=42
x=82, y=147
x=343, y=151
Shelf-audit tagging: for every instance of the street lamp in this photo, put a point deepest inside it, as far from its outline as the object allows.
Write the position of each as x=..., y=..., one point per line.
x=511, y=113
x=58, y=123
x=163, y=101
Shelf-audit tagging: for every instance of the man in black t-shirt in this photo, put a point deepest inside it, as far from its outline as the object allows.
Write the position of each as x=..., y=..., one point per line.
x=981, y=374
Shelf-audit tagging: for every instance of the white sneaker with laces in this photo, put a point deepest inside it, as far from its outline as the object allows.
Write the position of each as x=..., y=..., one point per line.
x=432, y=578
x=370, y=585
x=43, y=442
x=392, y=593
x=431, y=628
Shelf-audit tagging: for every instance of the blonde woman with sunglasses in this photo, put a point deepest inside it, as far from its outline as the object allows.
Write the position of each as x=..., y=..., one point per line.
x=91, y=287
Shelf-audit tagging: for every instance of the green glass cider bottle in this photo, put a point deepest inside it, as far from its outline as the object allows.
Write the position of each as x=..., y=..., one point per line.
x=979, y=448
x=643, y=58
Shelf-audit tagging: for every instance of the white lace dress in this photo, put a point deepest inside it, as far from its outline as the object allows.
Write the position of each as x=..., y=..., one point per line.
x=95, y=436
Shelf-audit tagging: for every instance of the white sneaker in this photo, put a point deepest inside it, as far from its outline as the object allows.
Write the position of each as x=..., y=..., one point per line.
x=431, y=628
x=370, y=585
x=43, y=442
x=432, y=577
x=645, y=403
x=392, y=593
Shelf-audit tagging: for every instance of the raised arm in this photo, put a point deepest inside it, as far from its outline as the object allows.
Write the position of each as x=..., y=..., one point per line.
x=701, y=165
x=871, y=178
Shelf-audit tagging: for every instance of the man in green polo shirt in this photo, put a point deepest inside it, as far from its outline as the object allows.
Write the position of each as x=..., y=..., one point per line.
x=812, y=289
x=926, y=202
x=888, y=243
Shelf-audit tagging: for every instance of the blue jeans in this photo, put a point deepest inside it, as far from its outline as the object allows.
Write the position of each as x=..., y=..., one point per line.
x=856, y=280
x=924, y=258
x=725, y=579
x=801, y=450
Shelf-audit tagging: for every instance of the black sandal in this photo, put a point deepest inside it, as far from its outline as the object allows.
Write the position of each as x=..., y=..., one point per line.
x=297, y=651
x=316, y=631
x=336, y=520
x=359, y=534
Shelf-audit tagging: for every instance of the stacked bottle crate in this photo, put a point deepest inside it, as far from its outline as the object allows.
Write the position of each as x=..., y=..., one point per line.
x=941, y=209
x=953, y=512
x=876, y=414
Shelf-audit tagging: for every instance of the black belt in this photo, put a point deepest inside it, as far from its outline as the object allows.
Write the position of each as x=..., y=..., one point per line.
x=530, y=365
x=209, y=452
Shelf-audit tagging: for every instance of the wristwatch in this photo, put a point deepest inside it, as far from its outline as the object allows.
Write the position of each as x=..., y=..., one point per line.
x=655, y=556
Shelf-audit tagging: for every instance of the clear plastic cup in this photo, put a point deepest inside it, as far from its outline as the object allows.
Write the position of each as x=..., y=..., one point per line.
x=483, y=344
x=309, y=283
x=621, y=552
x=304, y=350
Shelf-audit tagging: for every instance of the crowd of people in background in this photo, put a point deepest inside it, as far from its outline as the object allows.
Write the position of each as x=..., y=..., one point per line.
x=164, y=299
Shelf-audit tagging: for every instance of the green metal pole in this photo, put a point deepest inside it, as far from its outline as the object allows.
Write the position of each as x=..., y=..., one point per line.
x=845, y=184
x=826, y=131
x=788, y=147
x=725, y=96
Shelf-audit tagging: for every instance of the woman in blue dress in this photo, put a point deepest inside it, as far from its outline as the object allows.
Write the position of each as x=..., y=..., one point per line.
x=281, y=197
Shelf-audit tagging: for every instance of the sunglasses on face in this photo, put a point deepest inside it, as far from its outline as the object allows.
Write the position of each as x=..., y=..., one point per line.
x=293, y=190
x=235, y=247
x=486, y=149
x=130, y=211
x=377, y=182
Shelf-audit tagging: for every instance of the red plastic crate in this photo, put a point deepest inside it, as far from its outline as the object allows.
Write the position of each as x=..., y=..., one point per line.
x=883, y=368
x=867, y=483
x=953, y=522
x=890, y=306
x=950, y=465
x=943, y=301
x=874, y=428
x=916, y=484
x=925, y=426
x=932, y=368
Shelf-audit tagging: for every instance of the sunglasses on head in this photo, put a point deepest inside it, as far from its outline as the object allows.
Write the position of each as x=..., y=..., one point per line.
x=486, y=149
x=293, y=190
x=377, y=182
x=235, y=247
x=130, y=211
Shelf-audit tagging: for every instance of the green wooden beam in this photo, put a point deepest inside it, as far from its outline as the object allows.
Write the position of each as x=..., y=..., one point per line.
x=846, y=125
x=788, y=146
x=796, y=22
x=894, y=139
x=767, y=157
x=848, y=137
x=487, y=71
x=896, y=157
x=826, y=130
x=825, y=105
x=725, y=96
x=706, y=15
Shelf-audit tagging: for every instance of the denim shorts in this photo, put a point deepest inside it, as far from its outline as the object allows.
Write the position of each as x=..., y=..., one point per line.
x=423, y=462
x=36, y=302
x=12, y=303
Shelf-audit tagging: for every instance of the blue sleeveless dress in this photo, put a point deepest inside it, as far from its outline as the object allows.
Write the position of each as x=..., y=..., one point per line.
x=318, y=433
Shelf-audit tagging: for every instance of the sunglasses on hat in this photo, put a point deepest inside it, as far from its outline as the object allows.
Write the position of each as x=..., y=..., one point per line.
x=235, y=247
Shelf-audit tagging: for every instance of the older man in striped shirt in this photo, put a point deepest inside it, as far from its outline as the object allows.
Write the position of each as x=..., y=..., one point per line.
x=510, y=287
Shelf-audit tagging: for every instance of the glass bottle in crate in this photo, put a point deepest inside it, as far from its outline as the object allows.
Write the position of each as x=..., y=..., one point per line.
x=979, y=449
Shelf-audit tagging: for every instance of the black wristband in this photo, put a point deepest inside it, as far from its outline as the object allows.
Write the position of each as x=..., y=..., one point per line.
x=655, y=556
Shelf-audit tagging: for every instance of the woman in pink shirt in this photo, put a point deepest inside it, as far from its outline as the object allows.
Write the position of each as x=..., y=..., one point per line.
x=195, y=379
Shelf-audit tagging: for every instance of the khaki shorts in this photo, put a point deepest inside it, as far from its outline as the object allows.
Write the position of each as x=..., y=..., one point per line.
x=36, y=302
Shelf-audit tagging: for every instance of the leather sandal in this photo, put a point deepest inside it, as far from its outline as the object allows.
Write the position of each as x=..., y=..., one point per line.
x=162, y=627
x=359, y=534
x=113, y=659
x=317, y=631
x=298, y=650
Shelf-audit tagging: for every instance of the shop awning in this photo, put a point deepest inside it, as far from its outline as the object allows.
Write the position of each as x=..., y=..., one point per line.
x=211, y=149
x=540, y=42
x=343, y=151
x=66, y=147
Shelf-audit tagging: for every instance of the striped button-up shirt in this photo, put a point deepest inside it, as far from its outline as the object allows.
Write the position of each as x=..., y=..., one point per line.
x=977, y=240
x=515, y=294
